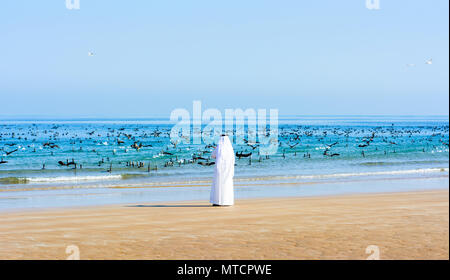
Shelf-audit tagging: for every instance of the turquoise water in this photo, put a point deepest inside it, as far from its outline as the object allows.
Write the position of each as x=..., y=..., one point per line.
x=101, y=158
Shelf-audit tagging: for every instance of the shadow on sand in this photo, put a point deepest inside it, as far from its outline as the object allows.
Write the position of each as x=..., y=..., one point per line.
x=169, y=205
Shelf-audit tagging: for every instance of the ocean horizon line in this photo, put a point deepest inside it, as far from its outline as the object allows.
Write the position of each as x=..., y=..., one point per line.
x=167, y=118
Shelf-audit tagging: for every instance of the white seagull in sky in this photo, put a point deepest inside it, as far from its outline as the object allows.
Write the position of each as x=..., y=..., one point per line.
x=90, y=54
x=429, y=61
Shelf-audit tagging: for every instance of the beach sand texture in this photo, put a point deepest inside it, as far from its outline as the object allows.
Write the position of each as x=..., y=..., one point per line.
x=409, y=225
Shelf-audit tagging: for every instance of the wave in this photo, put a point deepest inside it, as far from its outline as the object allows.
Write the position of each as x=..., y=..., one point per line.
x=203, y=181
x=389, y=163
x=73, y=178
x=132, y=176
x=241, y=182
x=13, y=180
x=344, y=175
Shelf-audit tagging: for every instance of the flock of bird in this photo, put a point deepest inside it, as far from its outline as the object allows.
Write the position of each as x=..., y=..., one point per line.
x=150, y=147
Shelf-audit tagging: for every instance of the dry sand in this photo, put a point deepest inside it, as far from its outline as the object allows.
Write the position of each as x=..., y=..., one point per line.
x=410, y=225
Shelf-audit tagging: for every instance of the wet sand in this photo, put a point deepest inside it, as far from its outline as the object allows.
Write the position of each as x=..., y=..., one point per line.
x=408, y=225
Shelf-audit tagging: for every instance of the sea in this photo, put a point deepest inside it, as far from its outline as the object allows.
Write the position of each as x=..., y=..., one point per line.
x=46, y=163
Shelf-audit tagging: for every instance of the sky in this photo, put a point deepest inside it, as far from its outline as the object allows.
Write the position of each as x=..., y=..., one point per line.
x=321, y=57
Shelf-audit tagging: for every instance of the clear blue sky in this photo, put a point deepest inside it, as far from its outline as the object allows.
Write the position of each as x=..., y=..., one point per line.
x=301, y=57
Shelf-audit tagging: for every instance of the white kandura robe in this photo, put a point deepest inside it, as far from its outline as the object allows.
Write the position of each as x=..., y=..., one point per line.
x=222, y=191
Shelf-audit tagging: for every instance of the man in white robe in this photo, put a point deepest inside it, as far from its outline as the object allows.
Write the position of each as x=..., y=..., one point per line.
x=222, y=191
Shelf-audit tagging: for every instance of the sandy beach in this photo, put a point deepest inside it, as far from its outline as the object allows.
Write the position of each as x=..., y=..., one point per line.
x=408, y=225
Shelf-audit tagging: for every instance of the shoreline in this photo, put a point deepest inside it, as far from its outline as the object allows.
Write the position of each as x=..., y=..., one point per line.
x=196, y=201
x=405, y=225
x=267, y=190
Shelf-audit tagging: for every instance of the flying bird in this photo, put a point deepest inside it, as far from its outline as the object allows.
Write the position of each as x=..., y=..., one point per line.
x=90, y=54
x=429, y=61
